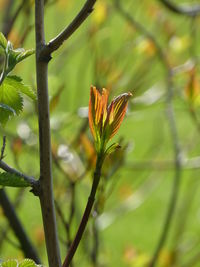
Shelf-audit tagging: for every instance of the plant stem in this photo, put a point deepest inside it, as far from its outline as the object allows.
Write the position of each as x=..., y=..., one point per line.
x=55, y=43
x=85, y=218
x=25, y=243
x=46, y=184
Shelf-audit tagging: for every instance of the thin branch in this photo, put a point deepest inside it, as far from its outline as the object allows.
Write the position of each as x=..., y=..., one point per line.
x=86, y=215
x=172, y=126
x=189, y=10
x=9, y=210
x=25, y=243
x=46, y=179
x=29, y=179
x=16, y=204
x=55, y=43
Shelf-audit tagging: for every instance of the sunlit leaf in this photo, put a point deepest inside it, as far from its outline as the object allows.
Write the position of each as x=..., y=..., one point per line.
x=11, y=98
x=27, y=263
x=15, y=263
x=17, y=83
x=9, y=263
x=11, y=101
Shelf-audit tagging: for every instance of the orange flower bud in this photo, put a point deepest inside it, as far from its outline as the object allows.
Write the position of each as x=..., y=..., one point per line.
x=104, y=119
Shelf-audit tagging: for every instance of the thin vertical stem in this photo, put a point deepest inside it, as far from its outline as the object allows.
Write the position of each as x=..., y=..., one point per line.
x=87, y=212
x=46, y=185
x=25, y=243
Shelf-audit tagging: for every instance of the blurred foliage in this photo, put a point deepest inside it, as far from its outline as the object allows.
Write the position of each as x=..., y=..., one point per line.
x=15, y=263
x=109, y=51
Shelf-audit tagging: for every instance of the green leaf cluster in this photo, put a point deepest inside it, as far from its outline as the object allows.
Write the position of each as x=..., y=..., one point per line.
x=12, y=180
x=15, y=263
x=12, y=56
x=11, y=87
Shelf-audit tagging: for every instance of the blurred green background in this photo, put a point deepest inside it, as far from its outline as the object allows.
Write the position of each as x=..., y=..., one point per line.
x=111, y=51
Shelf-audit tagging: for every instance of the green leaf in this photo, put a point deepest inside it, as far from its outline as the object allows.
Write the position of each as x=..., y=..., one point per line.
x=6, y=107
x=17, y=83
x=12, y=180
x=15, y=263
x=112, y=148
x=27, y=263
x=16, y=55
x=9, y=263
x=11, y=101
x=10, y=97
x=3, y=41
x=25, y=54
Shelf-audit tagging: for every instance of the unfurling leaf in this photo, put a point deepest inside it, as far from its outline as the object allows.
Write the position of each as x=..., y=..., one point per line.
x=12, y=56
x=104, y=119
x=12, y=87
x=112, y=148
x=16, y=56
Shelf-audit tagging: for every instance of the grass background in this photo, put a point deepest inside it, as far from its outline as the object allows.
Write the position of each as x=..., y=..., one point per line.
x=108, y=52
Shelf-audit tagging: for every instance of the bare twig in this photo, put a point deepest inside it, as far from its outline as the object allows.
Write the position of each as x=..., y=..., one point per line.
x=189, y=10
x=16, y=204
x=173, y=130
x=9, y=210
x=46, y=180
x=55, y=43
x=25, y=243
